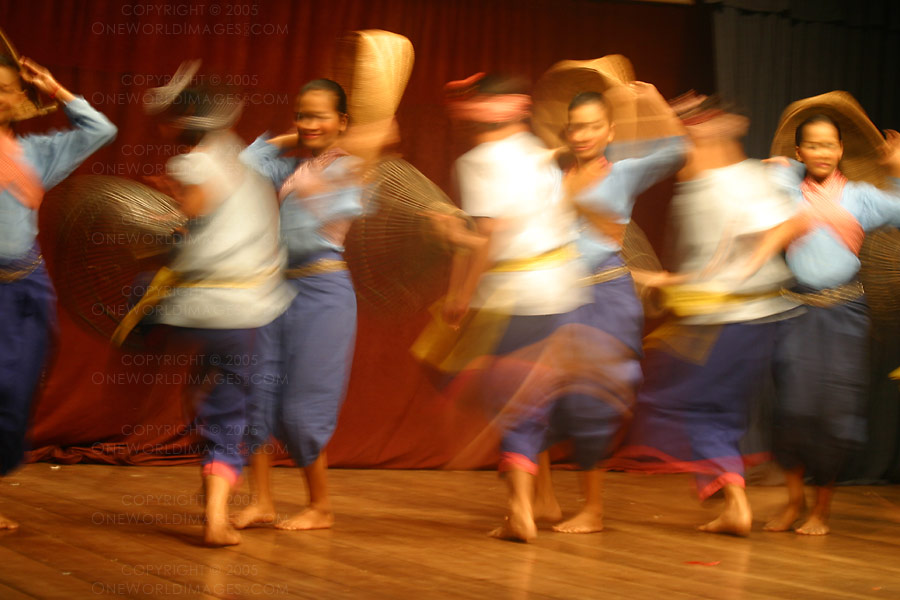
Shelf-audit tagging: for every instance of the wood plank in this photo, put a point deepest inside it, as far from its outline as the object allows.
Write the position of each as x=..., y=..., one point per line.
x=135, y=531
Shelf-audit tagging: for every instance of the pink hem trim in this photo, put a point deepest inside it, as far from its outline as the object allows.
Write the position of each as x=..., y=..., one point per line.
x=220, y=469
x=720, y=482
x=646, y=459
x=514, y=461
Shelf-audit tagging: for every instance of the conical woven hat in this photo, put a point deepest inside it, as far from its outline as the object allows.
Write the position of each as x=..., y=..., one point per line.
x=398, y=265
x=373, y=66
x=556, y=88
x=862, y=140
x=220, y=110
x=107, y=236
x=33, y=106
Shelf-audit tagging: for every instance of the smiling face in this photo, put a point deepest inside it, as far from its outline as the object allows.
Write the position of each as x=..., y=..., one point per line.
x=318, y=122
x=11, y=94
x=820, y=149
x=589, y=131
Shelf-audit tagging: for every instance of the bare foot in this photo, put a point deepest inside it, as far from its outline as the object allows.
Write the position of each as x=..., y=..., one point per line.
x=220, y=533
x=785, y=520
x=518, y=526
x=546, y=508
x=253, y=514
x=814, y=525
x=515, y=530
x=584, y=522
x=310, y=518
x=727, y=523
x=736, y=519
x=7, y=523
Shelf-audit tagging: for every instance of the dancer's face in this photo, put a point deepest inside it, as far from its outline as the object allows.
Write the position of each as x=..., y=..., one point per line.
x=589, y=131
x=318, y=122
x=11, y=94
x=821, y=149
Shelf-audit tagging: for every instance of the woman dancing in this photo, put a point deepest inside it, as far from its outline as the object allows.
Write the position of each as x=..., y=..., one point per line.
x=606, y=192
x=29, y=166
x=823, y=375
x=306, y=354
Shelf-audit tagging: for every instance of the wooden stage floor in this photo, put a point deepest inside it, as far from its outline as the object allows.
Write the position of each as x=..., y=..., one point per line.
x=92, y=531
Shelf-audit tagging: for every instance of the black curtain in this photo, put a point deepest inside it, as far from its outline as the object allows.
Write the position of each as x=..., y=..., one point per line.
x=769, y=53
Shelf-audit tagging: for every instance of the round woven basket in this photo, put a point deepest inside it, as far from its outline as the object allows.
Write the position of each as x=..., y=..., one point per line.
x=880, y=274
x=398, y=266
x=106, y=237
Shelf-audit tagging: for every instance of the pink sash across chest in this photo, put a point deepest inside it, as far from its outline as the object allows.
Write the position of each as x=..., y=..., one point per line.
x=823, y=206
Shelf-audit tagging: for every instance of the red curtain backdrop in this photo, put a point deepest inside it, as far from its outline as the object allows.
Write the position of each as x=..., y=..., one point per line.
x=102, y=405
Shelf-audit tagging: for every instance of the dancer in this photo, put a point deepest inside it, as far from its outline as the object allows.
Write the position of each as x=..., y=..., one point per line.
x=609, y=190
x=29, y=166
x=225, y=280
x=524, y=269
x=702, y=367
x=306, y=354
x=823, y=375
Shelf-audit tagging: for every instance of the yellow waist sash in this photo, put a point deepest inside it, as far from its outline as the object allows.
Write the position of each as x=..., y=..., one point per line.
x=547, y=260
x=690, y=300
x=161, y=286
x=450, y=348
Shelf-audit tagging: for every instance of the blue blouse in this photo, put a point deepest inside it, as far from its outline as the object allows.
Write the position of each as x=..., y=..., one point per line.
x=301, y=226
x=819, y=259
x=615, y=194
x=53, y=157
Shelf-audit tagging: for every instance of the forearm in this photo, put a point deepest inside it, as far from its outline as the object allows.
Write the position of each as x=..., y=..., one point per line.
x=468, y=266
x=476, y=264
x=605, y=223
x=657, y=279
x=191, y=200
x=286, y=141
x=63, y=95
x=774, y=241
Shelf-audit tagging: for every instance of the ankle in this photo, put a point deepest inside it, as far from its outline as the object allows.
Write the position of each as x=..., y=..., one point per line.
x=263, y=501
x=321, y=506
x=592, y=508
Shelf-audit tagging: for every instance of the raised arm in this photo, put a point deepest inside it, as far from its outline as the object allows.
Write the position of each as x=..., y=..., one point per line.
x=265, y=156
x=57, y=154
x=667, y=156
